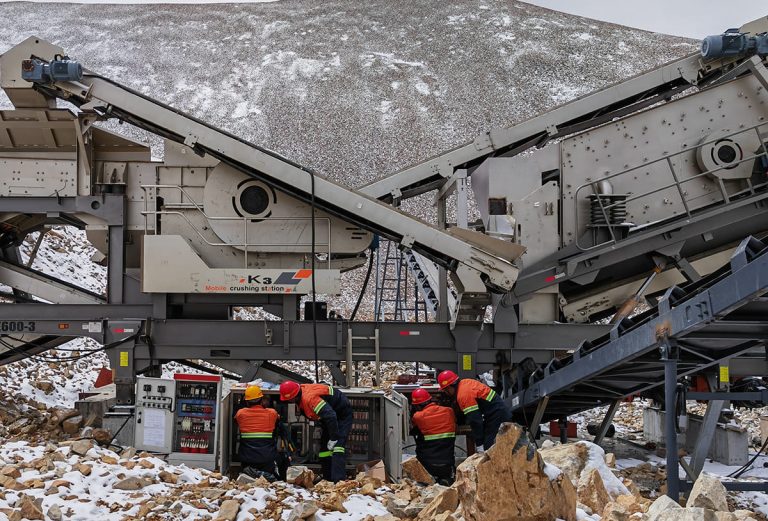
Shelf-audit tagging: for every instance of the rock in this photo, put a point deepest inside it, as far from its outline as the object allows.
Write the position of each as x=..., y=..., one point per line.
x=243, y=479
x=30, y=509
x=725, y=516
x=54, y=513
x=615, y=512
x=508, y=482
x=81, y=446
x=11, y=471
x=445, y=516
x=300, y=476
x=445, y=501
x=687, y=514
x=368, y=490
x=146, y=464
x=109, y=460
x=84, y=469
x=168, y=477
x=132, y=483
x=571, y=458
x=662, y=504
x=212, y=493
x=61, y=483
x=228, y=510
x=591, y=491
x=46, y=386
x=303, y=510
x=397, y=506
x=102, y=436
x=709, y=493
x=128, y=453
x=610, y=459
x=633, y=504
x=745, y=515
x=335, y=503
x=9, y=483
x=72, y=425
x=414, y=470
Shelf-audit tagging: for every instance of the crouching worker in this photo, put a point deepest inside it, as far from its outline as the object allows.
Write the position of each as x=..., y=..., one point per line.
x=434, y=428
x=259, y=427
x=333, y=410
x=483, y=409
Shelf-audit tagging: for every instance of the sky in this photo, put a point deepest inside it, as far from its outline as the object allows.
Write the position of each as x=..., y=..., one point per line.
x=691, y=18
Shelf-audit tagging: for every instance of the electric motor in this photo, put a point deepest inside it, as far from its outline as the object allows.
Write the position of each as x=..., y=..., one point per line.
x=734, y=43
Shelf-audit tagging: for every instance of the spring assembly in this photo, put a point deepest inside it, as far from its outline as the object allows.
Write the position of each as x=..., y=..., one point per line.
x=612, y=206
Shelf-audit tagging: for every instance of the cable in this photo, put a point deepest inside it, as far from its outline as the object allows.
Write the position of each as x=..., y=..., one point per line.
x=738, y=472
x=365, y=287
x=312, y=265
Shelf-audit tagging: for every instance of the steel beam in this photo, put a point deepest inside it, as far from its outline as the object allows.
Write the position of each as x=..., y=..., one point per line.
x=706, y=435
x=670, y=420
x=607, y=420
x=108, y=208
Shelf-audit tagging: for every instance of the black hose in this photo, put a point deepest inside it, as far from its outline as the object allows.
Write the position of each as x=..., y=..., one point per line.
x=738, y=472
x=365, y=286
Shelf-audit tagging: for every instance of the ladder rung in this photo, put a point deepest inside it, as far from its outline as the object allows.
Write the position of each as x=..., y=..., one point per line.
x=363, y=338
x=363, y=354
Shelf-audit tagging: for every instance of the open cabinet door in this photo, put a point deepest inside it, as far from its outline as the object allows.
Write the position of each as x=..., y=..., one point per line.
x=395, y=433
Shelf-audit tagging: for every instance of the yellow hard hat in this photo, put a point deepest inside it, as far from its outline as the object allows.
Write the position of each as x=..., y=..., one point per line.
x=253, y=392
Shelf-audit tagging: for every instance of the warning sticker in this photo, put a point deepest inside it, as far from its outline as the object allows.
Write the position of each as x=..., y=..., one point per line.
x=466, y=362
x=725, y=375
x=123, y=358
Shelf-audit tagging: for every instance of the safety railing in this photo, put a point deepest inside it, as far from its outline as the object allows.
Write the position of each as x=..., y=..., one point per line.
x=246, y=244
x=607, y=209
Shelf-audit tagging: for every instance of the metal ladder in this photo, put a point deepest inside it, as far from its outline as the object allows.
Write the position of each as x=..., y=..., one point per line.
x=393, y=288
x=363, y=354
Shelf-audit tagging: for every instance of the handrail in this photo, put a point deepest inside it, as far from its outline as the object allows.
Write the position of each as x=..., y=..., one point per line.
x=245, y=220
x=676, y=183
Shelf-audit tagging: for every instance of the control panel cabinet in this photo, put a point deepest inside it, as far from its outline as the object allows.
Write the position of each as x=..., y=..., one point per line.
x=377, y=433
x=196, y=420
x=155, y=406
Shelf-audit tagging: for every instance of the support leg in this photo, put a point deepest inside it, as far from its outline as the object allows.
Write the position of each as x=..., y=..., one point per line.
x=536, y=422
x=607, y=420
x=706, y=435
x=670, y=401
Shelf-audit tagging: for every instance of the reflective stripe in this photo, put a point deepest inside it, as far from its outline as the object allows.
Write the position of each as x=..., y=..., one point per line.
x=339, y=450
x=251, y=435
x=330, y=390
x=470, y=409
x=491, y=395
x=324, y=454
x=319, y=406
x=445, y=435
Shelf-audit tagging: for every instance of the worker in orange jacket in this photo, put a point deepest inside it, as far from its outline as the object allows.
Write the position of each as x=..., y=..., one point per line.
x=259, y=427
x=324, y=403
x=483, y=409
x=434, y=428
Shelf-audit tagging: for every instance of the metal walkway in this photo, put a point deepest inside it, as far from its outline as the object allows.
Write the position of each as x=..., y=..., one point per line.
x=702, y=324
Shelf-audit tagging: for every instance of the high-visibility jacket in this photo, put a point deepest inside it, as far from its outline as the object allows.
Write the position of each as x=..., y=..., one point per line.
x=323, y=402
x=480, y=405
x=258, y=434
x=434, y=428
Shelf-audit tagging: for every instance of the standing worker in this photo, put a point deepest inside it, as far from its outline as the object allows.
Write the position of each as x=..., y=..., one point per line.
x=483, y=409
x=434, y=428
x=330, y=406
x=258, y=427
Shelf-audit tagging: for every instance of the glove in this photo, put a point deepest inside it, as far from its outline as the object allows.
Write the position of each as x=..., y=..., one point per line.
x=332, y=444
x=479, y=449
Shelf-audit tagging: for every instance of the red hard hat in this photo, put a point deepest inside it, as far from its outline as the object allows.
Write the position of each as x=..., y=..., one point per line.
x=447, y=378
x=420, y=396
x=289, y=390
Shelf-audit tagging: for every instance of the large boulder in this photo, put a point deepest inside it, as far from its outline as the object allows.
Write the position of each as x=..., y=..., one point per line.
x=508, y=482
x=709, y=493
x=413, y=469
x=687, y=514
x=446, y=500
x=591, y=491
x=661, y=504
x=571, y=458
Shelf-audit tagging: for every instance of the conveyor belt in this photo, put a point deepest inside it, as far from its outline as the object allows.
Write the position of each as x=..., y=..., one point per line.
x=476, y=262
x=719, y=317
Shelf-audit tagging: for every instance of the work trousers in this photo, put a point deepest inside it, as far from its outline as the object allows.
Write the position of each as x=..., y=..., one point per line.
x=333, y=463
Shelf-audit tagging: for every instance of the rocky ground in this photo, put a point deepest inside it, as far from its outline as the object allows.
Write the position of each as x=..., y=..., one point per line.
x=84, y=478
